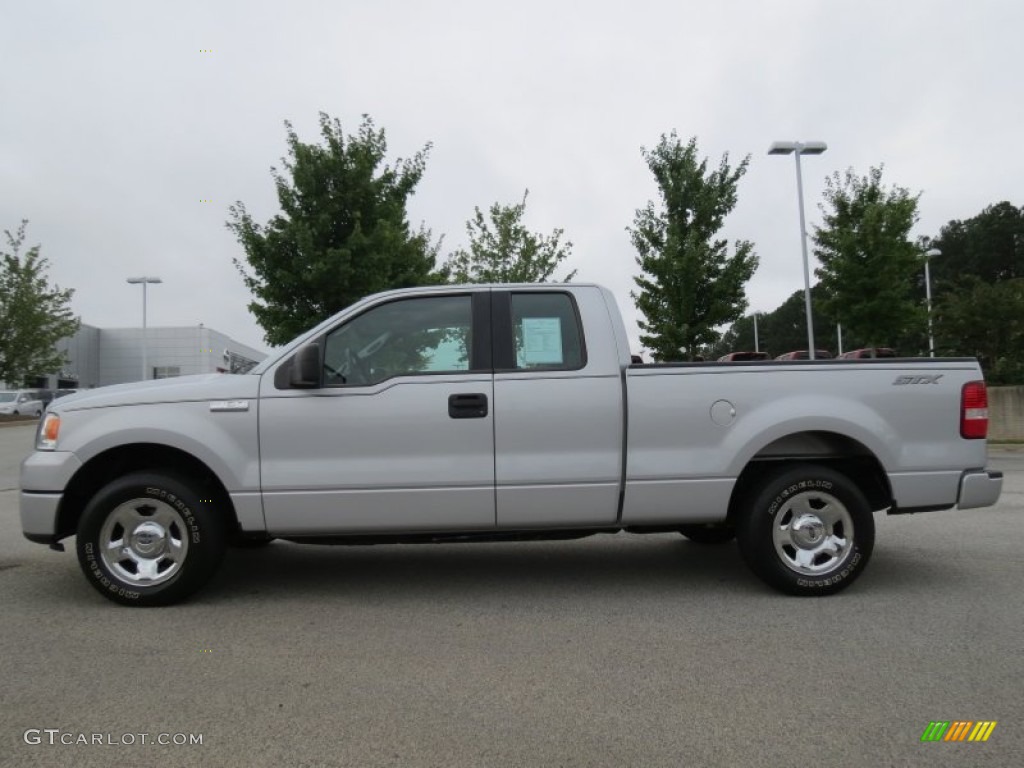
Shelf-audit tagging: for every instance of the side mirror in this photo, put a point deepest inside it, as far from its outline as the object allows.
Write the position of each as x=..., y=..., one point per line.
x=306, y=367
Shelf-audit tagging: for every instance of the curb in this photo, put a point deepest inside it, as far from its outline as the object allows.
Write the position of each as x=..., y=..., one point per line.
x=32, y=420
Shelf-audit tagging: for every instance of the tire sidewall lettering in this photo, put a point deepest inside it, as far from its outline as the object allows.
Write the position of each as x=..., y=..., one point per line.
x=179, y=504
x=99, y=573
x=829, y=581
x=793, y=489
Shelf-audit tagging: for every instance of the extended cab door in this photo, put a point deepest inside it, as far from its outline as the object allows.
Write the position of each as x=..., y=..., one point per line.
x=558, y=409
x=399, y=434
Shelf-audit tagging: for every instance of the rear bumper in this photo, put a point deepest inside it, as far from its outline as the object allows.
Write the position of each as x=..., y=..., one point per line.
x=980, y=489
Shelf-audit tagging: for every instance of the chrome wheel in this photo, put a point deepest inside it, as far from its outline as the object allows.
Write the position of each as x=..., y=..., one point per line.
x=813, y=533
x=807, y=529
x=144, y=542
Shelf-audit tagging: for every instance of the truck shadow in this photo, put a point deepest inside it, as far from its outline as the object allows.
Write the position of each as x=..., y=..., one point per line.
x=597, y=566
x=663, y=568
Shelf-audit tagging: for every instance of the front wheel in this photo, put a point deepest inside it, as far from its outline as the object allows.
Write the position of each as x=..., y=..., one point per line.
x=149, y=539
x=807, y=530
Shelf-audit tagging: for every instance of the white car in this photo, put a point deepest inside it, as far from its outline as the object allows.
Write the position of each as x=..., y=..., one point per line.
x=23, y=402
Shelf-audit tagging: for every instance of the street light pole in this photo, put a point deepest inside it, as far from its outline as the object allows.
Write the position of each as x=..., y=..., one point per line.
x=145, y=281
x=797, y=148
x=928, y=293
x=757, y=347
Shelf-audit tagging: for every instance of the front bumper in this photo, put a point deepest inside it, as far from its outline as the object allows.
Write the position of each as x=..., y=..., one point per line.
x=48, y=471
x=39, y=516
x=980, y=488
x=43, y=475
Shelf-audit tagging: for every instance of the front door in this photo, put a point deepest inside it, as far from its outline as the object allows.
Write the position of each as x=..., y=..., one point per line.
x=399, y=436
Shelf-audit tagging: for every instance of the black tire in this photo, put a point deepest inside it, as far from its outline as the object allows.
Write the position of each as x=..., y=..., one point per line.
x=832, y=542
x=171, y=540
x=709, y=533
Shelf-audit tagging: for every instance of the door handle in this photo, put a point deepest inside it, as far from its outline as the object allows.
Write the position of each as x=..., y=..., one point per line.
x=467, y=406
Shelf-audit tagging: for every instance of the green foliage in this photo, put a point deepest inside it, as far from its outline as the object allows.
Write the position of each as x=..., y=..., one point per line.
x=984, y=320
x=342, y=233
x=739, y=337
x=785, y=329
x=782, y=330
x=503, y=250
x=976, y=288
x=33, y=315
x=977, y=311
x=689, y=284
x=989, y=246
x=868, y=263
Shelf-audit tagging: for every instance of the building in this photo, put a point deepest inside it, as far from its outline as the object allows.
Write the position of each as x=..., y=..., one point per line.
x=100, y=356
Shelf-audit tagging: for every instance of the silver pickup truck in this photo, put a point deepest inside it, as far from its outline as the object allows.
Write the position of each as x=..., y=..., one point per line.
x=484, y=413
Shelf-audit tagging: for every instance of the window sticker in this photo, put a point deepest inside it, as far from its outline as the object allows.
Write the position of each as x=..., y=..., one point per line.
x=542, y=342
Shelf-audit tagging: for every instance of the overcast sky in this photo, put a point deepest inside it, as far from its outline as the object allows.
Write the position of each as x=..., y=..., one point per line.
x=115, y=125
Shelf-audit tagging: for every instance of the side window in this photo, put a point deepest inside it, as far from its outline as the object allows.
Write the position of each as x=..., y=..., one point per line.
x=401, y=338
x=547, y=331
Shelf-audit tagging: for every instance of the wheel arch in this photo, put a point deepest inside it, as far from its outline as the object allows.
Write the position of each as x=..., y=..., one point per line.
x=115, y=462
x=839, y=452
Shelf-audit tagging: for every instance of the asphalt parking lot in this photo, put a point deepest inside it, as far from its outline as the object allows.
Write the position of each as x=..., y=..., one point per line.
x=610, y=651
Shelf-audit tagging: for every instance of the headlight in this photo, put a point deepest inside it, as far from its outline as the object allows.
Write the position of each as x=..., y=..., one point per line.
x=49, y=429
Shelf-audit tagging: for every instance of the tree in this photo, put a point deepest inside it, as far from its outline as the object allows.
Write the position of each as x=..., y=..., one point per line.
x=739, y=337
x=689, y=284
x=976, y=284
x=782, y=330
x=342, y=233
x=989, y=246
x=505, y=251
x=785, y=329
x=868, y=263
x=34, y=315
x=984, y=320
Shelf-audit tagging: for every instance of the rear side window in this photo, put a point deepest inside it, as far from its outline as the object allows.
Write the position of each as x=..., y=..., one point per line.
x=547, y=332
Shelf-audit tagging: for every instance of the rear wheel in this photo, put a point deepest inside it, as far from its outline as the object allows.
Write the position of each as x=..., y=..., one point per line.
x=148, y=539
x=807, y=530
x=717, y=533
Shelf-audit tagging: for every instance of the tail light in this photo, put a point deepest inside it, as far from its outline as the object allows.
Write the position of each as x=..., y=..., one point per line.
x=974, y=411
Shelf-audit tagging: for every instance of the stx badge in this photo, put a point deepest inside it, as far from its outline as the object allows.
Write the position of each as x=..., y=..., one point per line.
x=900, y=380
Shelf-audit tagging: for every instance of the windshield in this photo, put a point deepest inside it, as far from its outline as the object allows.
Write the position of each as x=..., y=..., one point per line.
x=8, y=397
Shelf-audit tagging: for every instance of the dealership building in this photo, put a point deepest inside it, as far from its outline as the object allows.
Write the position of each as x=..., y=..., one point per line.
x=100, y=356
